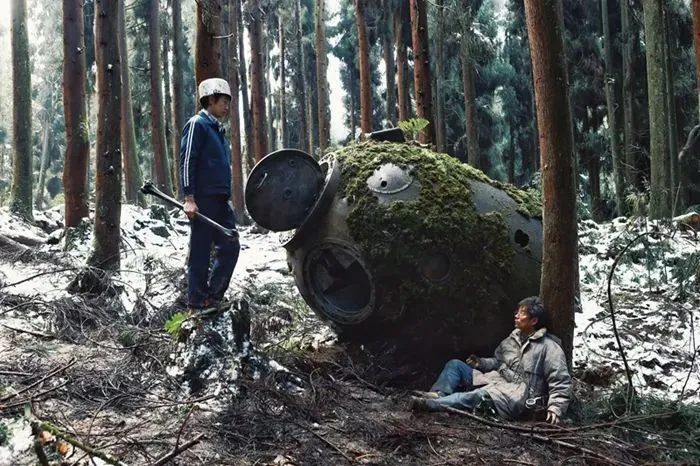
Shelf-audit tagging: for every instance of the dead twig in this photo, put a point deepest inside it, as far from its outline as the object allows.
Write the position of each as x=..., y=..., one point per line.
x=38, y=382
x=34, y=397
x=628, y=370
x=14, y=373
x=177, y=450
x=327, y=442
x=578, y=448
x=33, y=333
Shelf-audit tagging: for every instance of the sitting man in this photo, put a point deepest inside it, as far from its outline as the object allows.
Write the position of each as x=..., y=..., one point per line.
x=528, y=371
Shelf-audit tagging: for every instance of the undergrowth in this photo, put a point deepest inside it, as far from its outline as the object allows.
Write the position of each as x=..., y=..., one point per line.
x=673, y=427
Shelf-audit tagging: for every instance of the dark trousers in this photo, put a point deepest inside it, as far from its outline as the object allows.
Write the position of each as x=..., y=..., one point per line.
x=202, y=283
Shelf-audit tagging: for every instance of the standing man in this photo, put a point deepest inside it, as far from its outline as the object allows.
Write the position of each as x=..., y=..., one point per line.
x=205, y=178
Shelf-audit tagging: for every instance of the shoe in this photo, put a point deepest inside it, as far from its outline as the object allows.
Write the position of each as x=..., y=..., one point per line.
x=417, y=403
x=427, y=395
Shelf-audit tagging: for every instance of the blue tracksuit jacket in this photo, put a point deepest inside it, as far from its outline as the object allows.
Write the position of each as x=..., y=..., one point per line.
x=205, y=158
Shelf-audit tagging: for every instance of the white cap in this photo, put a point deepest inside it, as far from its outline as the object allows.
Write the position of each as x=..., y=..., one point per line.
x=214, y=86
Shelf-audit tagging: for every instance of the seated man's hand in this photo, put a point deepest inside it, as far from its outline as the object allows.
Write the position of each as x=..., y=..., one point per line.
x=552, y=418
x=473, y=361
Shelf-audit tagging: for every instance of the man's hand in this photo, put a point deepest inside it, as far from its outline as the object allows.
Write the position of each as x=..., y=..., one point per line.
x=552, y=418
x=190, y=207
x=473, y=361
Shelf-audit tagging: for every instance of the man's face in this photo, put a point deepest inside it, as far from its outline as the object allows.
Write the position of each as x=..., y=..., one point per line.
x=524, y=321
x=219, y=108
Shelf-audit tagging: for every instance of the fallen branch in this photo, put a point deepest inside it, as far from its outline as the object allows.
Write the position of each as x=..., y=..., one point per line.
x=33, y=333
x=177, y=450
x=571, y=446
x=55, y=431
x=38, y=382
x=17, y=374
x=35, y=397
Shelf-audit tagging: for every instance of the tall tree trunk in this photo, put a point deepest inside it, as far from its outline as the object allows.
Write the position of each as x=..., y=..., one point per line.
x=421, y=68
x=545, y=25
x=267, y=81
x=243, y=74
x=300, y=78
x=659, y=205
x=108, y=171
x=353, y=117
x=401, y=66
x=470, y=103
x=696, y=43
x=208, y=49
x=677, y=204
x=257, y=76
x=324, y=118
x=511, y=158
x=168, y=102
x=439, y=76
x=628, y=86
x=178, y=92
x=363, y=58
x=160, y=153
x=613, y=130
x=22, y=173
x=75, y=165
x=236, y=157
x=283, y=84
x=45, y=133
x=132, y=170
x=388, y=51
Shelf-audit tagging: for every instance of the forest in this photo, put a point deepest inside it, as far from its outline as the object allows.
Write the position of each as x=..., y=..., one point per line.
x=584, y=115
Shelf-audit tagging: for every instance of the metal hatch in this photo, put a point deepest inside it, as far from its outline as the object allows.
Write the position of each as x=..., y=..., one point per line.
x=282, y=188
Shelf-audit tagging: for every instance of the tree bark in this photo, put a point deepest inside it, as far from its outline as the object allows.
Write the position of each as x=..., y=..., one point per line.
x=268, y=44
x=402, y=65
x=236, y=157
x=613, y=130
x=108, y=172
x=439, y=76
x=676, y=200
x=388, y=51
x=696, y=43
x=160, y=153
x=77, y=145
x=545, y=25
x=300, y=78
x=45, y=133
x=324, y=123
x=132, y=170
x=470, y=102
x=208, y=49
x=363, y=58
x=243, y=74
x=659, y=205
x=421, y=68
x=22, y=173
x=178, y=92
x=168, y=102
x=257, y=84
x=628, y=85
x=283, y=83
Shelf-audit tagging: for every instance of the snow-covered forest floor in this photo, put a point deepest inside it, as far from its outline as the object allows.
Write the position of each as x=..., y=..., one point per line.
x=265, y=383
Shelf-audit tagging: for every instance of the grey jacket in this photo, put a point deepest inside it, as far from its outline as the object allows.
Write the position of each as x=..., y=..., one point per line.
x=537, y=368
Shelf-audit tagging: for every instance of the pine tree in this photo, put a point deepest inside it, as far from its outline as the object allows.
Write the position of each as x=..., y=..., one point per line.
x=545, y=25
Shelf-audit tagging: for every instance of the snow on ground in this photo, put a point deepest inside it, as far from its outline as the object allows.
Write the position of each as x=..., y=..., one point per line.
x=657, y=318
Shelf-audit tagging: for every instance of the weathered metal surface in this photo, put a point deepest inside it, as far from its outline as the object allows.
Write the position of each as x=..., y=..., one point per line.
x=283, y=188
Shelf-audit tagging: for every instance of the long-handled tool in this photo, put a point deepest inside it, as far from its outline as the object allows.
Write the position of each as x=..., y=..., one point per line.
x=149, y=188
